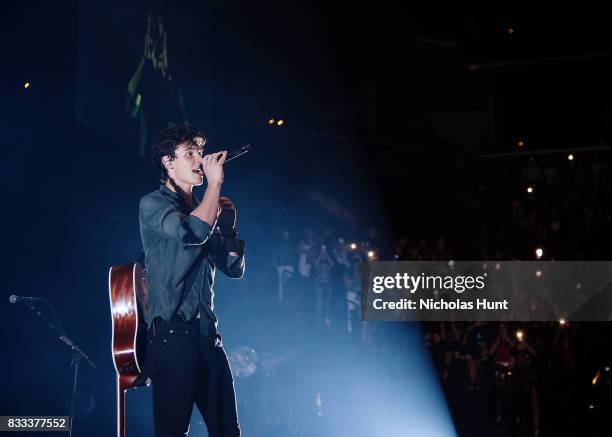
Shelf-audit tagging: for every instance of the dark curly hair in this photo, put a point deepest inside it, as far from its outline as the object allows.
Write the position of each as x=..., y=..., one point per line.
x=168, y=140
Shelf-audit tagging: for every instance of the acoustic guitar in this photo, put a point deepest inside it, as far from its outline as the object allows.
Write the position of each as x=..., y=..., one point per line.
x=128, y=304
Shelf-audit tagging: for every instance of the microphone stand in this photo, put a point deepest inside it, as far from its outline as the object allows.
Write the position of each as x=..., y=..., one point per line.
x=78, y=354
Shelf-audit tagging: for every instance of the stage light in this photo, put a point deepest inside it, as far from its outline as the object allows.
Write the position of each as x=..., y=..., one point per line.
x=561, y=322
x=595, y=378
x=353, y=246
x=591, y=407
x=280, y=122
x=371, y=254
x=520, y=335
x=530, y=189
x=26, y=85
x=539, y=252
x=570, y=157
x=271, y=121
x=538, y=273
x=520, y=143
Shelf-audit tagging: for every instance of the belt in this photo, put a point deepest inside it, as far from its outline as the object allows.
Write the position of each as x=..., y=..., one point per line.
x=180, y=328
x=176, y=325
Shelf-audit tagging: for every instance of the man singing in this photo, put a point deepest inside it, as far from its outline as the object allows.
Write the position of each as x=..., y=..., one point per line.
x=184, y=240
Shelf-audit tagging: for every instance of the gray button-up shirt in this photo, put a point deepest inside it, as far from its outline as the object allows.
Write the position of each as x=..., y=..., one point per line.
x=181, y=251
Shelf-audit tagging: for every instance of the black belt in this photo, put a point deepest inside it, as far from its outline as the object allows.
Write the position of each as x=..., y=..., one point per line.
x=177, y=326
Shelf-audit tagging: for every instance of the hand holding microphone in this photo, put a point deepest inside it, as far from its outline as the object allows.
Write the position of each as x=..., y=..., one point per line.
x=213, y=167
x=220, y=158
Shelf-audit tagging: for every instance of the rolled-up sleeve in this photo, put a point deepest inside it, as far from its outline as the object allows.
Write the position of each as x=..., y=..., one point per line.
x=163, y=218
x=232, y=266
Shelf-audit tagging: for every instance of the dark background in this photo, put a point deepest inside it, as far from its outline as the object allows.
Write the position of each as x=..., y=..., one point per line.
x=390, y=113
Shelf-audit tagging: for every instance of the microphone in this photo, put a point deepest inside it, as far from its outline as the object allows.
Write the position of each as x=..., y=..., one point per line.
x=15, y=299
x=232, y=154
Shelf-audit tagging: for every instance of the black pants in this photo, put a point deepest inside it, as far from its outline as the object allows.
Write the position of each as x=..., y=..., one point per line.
x=186, y=368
